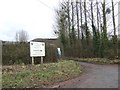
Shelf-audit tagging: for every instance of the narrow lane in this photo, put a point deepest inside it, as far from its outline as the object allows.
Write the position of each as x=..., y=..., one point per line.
x=94, y=76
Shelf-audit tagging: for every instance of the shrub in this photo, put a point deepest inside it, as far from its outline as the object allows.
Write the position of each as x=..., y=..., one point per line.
x=20, y=53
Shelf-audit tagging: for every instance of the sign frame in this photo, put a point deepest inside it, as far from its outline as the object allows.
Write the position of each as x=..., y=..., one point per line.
x=37, y=49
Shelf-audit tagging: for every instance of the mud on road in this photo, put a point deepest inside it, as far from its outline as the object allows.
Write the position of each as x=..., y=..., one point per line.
x=94, y=76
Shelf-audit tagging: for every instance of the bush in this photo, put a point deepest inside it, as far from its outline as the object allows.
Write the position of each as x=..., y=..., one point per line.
x=20, y=53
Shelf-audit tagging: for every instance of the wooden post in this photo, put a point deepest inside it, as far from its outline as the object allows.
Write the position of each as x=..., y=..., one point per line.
x=32, y=60
x=41, y=59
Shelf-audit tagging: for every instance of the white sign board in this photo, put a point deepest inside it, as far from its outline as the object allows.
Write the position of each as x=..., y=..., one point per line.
x=37, y=49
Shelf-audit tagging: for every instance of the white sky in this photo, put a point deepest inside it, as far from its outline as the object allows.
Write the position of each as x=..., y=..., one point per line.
x=30, y=15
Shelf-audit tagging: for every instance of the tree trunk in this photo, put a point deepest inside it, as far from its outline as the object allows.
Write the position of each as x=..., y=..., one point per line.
x=77, y=20
x=86, y=27
x=104, y=22
x=68, y=11
x=72, y=15
x=73, y=36
x=97, y=15
x=113, y=18
x=81, y=18
x=115, y=36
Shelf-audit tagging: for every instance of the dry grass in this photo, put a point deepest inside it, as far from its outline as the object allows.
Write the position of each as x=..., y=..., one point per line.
x=27, y=76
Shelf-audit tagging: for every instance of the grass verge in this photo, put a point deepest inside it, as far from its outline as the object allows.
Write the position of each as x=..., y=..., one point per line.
x=96, y=60
x=29, y=76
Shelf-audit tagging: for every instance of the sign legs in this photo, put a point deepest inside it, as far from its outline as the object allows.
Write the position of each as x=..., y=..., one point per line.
x=41, y=60
x=32, y=60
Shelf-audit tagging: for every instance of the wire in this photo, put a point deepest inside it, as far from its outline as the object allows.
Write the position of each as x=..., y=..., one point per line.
x=113, y=30
x=46, y=5
x=114, y=4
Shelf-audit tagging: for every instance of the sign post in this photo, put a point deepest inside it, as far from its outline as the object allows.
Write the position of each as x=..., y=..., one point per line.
x=32, y=60
x=41, y=60
x=37, y=49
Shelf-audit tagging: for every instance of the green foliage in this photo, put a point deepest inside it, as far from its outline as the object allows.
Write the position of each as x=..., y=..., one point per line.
x=51, y=54
x=89, y=45
x=96, y=41
x=97, y=60
x=20, y=53
x=118, y=50
x=63, y=39
x=40, y=75
x=72, y=37
x=16, y=53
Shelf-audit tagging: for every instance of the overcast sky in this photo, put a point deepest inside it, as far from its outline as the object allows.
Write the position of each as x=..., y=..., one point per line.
x=33, y=16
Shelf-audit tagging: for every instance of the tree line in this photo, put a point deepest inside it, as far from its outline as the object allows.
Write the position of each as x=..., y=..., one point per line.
x=83, y=29
x=19, y=52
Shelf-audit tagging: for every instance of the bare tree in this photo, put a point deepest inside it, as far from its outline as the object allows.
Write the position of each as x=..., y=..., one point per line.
x=72, y=15
x=86, y=27
x=73, y=35
x=115, y=36
x=113, y=18
x=68, y=12
x=104, y=21
x=77, y=19
x=81, y=18
x=21, y=36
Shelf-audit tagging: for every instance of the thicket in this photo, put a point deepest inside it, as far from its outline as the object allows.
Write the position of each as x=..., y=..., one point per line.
x=84, y=30
x=19, y=53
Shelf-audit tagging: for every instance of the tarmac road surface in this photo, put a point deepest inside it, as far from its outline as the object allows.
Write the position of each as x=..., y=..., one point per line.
x=94, y=76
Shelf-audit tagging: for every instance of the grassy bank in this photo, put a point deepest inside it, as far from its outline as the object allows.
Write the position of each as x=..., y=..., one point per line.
x=96, y=60
x=20, y=76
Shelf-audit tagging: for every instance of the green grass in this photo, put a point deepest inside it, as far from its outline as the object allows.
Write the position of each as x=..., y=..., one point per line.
x=39, y=75
x=98, y=60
